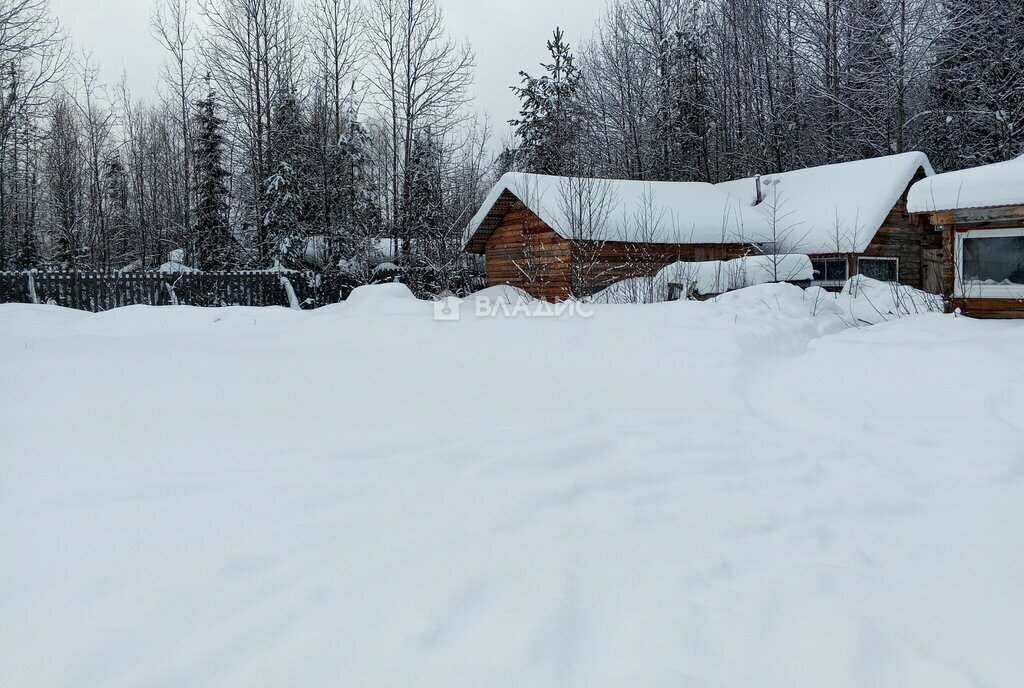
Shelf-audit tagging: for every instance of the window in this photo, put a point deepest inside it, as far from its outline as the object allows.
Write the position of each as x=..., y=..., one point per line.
x=881, y=269
x=990, y=263
x=831, y=272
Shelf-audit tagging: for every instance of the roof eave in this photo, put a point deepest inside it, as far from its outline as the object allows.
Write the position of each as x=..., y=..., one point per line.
x=976, y=214
x=477, y=241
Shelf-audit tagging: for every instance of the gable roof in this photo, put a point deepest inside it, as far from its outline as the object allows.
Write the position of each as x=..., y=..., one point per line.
x=987, y=186
x=614, y=210
x=828, y=209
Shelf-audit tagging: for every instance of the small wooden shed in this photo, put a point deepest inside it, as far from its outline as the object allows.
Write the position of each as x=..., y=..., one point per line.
x=851, y=218
x=979, y=215
x=562, y=237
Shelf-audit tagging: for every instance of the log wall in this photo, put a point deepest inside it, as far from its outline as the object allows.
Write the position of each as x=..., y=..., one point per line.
x=524, y=252
x=906, y=237
x=600, y=264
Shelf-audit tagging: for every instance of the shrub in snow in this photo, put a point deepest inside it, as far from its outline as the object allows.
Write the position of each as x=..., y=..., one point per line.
x=386, y=267
x=872, y=301
x=176, y=263
x=633, y=290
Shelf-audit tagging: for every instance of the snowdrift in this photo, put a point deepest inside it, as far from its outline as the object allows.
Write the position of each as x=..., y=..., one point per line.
x=755, y=490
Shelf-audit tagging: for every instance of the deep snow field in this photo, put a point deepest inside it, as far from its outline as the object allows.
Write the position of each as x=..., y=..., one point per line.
x=758, y=491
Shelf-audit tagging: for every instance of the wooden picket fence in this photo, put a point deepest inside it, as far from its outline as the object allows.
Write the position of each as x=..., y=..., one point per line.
x=100, y=291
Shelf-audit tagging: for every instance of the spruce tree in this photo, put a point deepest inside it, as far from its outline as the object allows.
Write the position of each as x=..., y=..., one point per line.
x=28, y=255
x=424, y=207
x=212, y=241
x=359, y=213
x=550, y=116
x=115, y=203
x=286, y=190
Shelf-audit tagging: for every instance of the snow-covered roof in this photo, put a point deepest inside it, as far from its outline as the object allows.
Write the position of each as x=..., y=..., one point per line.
x=833, y=208
x=999, y=184
x=828, y=209
x=618, y=210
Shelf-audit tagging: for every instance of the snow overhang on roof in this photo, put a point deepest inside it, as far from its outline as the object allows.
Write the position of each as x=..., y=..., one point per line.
x=988, y=186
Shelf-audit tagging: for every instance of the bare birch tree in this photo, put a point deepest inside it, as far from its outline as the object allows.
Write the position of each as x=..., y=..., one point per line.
x=419, y=77
x=172, y=25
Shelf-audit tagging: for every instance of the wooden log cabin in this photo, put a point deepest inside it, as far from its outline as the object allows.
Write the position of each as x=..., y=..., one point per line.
x=562, y=237
x=978, y=214
x=850, y=218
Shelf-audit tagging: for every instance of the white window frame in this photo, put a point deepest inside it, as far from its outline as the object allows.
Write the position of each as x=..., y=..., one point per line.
x=984, y=291
x=894, y=260
x=832, y=283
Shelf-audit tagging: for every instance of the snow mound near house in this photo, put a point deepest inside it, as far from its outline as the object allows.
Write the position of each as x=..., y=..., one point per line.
x=863, y=301
x=755, y=490
x=374, y=294
x=706, y=278
x=388, y=299
x=872, y=301
x=502, y=293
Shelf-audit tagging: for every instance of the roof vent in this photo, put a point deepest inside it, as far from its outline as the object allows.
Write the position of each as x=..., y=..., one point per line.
x=760, y=183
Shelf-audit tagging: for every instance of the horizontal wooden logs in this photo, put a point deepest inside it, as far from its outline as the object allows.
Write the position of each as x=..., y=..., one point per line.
x=975, y=216
x=989, y=308
x=524, y=252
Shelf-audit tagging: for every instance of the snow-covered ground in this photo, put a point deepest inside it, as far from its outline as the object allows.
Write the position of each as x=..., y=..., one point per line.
x=750, y=492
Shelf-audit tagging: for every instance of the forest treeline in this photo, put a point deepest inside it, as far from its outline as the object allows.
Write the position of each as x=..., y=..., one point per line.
x=310, y=133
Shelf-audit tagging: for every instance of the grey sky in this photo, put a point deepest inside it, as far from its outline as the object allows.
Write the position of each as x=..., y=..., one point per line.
x=506, y=36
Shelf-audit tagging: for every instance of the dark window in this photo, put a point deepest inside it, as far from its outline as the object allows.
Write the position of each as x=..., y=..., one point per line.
x=881, y=269
x=994, y=260
x=829, y=269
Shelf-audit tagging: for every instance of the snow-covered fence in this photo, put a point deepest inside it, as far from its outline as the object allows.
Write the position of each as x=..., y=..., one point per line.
x=100, y=291
x=84, y=290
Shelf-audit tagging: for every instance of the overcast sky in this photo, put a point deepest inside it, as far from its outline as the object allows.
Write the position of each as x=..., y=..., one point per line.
x=507, y=37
